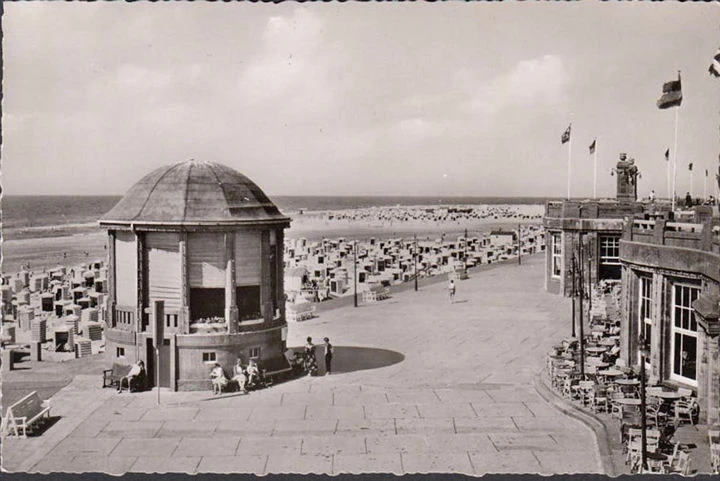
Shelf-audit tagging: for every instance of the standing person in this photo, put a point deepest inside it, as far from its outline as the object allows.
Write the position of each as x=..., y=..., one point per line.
x=652, y=195
x=310, y=361
x=328, y=356
x=451, y=290
x=688, y=200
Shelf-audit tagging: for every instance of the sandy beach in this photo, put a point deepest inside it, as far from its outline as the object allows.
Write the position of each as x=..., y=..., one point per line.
x=68, y=250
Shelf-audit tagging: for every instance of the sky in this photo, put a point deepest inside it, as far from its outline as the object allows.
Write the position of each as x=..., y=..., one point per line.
x=429, y=99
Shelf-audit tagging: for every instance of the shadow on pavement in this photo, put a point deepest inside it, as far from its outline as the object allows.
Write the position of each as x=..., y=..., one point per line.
x=352, y=358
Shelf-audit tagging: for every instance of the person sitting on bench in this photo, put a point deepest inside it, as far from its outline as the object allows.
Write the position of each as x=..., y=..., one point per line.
x=239, y=377
x=252, y=372
x=218, y=379
x=135, y=378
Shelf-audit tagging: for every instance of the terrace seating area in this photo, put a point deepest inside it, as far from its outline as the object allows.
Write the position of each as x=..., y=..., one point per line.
x=609, y=389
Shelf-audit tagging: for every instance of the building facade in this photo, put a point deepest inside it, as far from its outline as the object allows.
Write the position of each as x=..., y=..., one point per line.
x=670, y=287
x=206, y=241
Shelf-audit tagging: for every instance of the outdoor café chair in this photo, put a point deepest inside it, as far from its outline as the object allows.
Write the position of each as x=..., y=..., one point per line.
x=679, y=464
x=714, y=441
x=685, y=411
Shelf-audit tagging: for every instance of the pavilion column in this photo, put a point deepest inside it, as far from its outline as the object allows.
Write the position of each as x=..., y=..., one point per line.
x=279, y=278
x=110, y=320
x=265, y=284
x=713, y=382
x=141, y=280
x=231, y=309
x=184, y=318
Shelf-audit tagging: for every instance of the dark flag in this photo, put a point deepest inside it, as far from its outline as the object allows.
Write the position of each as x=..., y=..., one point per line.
x=672, y=94
x=715, y=65
x=690, y=166
x=667, y=154
x=566, y=135
x=706, y=173
x=592, y=147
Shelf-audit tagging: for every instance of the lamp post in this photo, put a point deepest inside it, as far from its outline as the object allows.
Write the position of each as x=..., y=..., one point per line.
x=581, y=288
x=465, y=252
x=355, y=273
x=572, y=293
x=519, y=246
x=415, y=256
x=644, y=351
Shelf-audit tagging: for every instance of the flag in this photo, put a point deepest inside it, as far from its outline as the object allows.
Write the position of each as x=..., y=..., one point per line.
x=706, y=173
x=667, y=154
x=566, y=135
x=690, y=166
x=592, y=147
x=715, y=65
x=672, y=94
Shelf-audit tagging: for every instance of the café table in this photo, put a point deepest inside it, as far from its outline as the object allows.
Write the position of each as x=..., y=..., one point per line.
x=669, y=395
x=628, y=401
x=610, y=373
x=595, y=350
x=655, y=461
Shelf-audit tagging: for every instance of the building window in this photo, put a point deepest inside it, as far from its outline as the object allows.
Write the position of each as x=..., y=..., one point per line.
x=209, y=357
x=254, y=352
x=556, y=254
x=609, y=257
x=684, y=334
x=119, y=352
x=645, y=311
x=610, y=250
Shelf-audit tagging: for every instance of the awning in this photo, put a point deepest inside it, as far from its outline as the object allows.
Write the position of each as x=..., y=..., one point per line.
x=707, y=308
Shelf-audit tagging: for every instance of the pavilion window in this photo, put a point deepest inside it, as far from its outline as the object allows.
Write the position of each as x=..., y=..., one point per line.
x=248, y=302
x=556, y=254
x=684, y=346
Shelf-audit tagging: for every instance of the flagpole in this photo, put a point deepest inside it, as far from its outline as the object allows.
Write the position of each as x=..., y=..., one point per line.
x=669, y=186
x=705, y=187
x=569, y=161
x=674, y=183
x=692, y=194
x=595, y=170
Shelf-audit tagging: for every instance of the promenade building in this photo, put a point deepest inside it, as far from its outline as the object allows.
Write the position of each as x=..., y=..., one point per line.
x=206, y=241
x=668, y=267
x=670, y=298
x=593, y=225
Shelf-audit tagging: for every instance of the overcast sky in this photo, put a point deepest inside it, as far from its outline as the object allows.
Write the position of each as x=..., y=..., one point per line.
x=356, y=99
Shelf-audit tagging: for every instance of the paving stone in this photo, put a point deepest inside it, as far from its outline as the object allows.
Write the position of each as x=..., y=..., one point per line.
x=485, y=424
x=264, y=413
x=328, y=445
x=182, y=428
x=106, y=413
x=251, y=427
x=89, y=429
x=401, y=443
x=334, y=412
x=141, y=447
x=436, y=463
x=300, y=426
x=449, y=443
x=260, y=445
x=299, y=464
x=210, y=446
x=446, y=410
x=131, y=429
x=166, y=464
x=425, y=426
x=557, y=424
x=253, y=464
x=170, y=414
x=359, y=398
x=501, y=409
x=563, y=463
x=367, y=463
x=352, y=427
x=85, y=446
x=510, y=462
x=388, y=411
x=214, y=413
x=414, y=396
x=535, y=442
x=308, y=398
x=110, y=465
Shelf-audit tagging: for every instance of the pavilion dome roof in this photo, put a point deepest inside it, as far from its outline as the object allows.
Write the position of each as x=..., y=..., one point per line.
x=194, y=192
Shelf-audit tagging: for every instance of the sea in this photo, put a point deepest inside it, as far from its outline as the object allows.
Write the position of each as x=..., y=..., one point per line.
x=28, y=211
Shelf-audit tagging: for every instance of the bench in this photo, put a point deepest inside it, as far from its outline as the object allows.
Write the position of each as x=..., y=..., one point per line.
x=25, y=414
x=300, y=312
x=112, y=377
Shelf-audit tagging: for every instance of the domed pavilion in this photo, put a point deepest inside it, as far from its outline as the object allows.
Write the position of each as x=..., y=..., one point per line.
x=205, y=240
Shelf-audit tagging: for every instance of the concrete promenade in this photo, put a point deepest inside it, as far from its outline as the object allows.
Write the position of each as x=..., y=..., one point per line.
x=420, y=385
